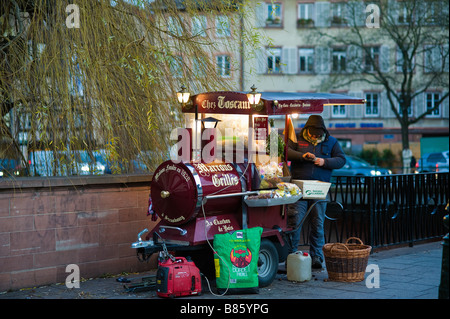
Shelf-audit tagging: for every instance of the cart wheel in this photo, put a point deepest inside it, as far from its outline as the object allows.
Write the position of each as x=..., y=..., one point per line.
x=267, y=263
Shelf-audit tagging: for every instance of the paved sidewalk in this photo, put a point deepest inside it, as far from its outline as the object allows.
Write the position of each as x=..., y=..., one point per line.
x=405, y=273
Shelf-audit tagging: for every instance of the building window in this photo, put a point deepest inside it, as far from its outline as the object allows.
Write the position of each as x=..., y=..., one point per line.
x=372, y=59
x=372, y=104
x=338, y=14
x=223, y=28
x=339, y=111
x=305, y=15
x=199, y=26
x=274, y=60
x=223, y=65
x=404, y=13
x=433, y=12
x=273, y=17
x=431, y=101
x=339, y=60
x=306, y=60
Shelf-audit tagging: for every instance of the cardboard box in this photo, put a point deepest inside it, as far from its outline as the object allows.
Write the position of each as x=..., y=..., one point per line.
x=312, y=189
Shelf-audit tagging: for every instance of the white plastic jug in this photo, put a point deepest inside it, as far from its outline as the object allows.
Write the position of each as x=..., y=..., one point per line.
x=299, y=266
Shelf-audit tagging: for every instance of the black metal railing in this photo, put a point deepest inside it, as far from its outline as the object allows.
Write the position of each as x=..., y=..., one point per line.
x=386, y=210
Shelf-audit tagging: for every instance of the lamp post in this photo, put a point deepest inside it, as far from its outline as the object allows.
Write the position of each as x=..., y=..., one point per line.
x=253, y=97
x=209, y=139
x=183, y=96
x=211, y=121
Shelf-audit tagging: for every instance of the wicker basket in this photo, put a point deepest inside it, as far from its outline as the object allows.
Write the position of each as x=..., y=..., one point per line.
x=346, y=262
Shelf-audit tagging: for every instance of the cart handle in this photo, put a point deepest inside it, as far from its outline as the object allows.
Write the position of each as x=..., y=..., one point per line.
x=229, y=195
x=182, y=231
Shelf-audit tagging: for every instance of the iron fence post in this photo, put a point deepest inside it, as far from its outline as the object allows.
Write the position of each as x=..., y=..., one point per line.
x=443, y=286
x=371, y=213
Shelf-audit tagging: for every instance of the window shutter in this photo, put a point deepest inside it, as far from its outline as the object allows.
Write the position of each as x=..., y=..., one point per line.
x=359, y=14
x=354, y=59
x=386, y=109
x=444, y=56
x=326, y=114
x=260, y=14
x=323, y=57
x=437, y=57
x=444, y=108
x=289, y=61
x=322, y=14
x=351, y=111
x=261, y=61
x=392, y=11
x=384, y=58
x=318, y=60
x=421, y=11
x=383, y=105
x=355, y=111
x=419, y=105
x=359, y=109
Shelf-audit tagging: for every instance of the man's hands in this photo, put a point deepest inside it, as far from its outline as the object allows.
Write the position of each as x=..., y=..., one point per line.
x=312, y=158
x=319, y=161
x=309, y=157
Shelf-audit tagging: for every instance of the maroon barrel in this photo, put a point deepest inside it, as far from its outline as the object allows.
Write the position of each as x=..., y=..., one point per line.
x=178, y=190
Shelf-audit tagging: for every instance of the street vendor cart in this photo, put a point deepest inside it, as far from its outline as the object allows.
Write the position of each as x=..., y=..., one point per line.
x=193, y=198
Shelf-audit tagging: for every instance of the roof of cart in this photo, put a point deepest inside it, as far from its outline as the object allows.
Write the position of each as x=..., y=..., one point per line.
x=271, y=103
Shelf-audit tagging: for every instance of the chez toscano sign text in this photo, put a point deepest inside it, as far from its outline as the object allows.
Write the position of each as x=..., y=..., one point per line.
x=271, y=103
x=221, y=103
x=237, y=103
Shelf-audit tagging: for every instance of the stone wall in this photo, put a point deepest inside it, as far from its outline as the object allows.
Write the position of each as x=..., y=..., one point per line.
x=49, y=223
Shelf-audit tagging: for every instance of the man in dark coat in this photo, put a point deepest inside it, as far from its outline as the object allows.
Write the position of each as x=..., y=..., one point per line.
x=313, y=157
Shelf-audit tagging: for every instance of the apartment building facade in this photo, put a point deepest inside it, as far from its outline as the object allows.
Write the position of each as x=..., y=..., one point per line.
x=303, y=57
x=297, y=57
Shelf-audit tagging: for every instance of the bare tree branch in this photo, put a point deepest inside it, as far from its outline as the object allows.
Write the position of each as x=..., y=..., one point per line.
x=416, y=33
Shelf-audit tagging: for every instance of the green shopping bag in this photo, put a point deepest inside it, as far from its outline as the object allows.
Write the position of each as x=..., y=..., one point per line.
x=236, y=261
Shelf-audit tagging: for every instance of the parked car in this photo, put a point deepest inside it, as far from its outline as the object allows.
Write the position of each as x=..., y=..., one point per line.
x=8, y=167
x=88, y=164
x=11, y=167
x=134, y=166
x=358, y=167
x=433, y=162
x=43, y=163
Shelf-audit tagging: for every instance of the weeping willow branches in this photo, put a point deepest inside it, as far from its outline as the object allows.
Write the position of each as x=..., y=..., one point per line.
x=110, y=83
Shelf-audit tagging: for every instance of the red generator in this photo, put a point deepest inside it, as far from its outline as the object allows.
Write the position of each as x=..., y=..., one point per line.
x=178, y=277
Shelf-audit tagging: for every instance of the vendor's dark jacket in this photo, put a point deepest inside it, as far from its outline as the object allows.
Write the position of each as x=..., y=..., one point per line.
x=329, y=149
